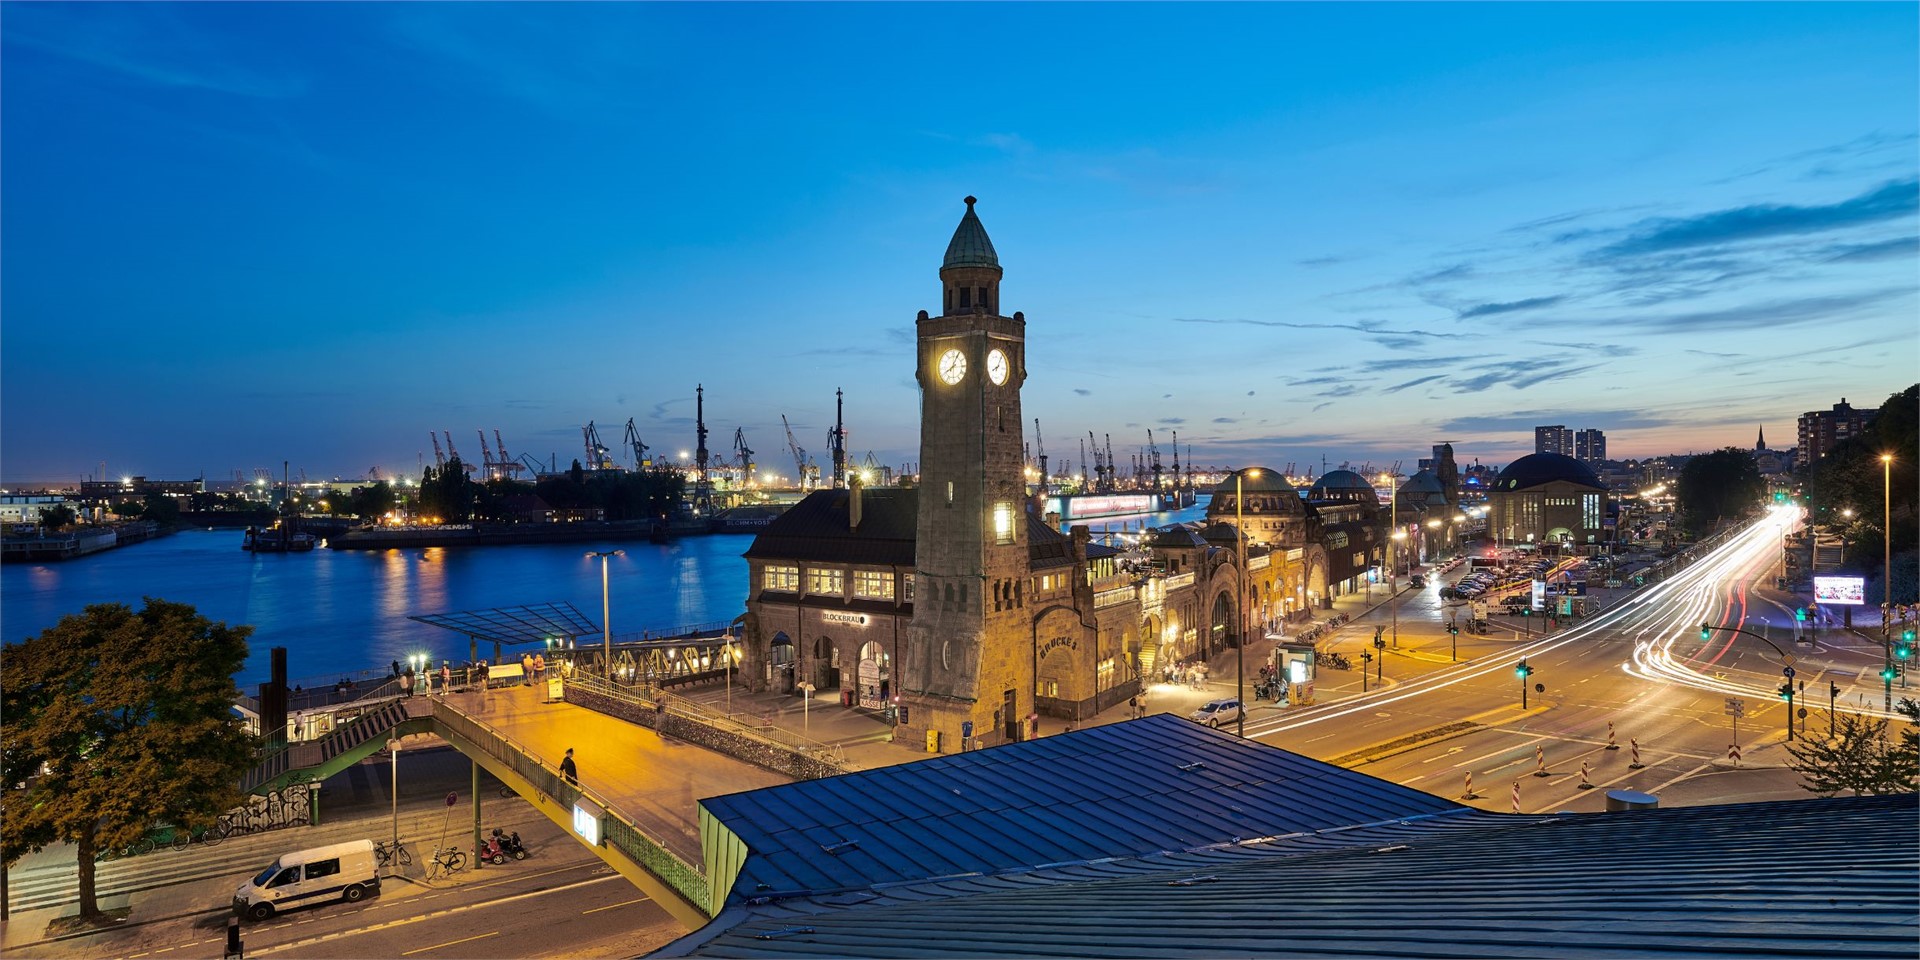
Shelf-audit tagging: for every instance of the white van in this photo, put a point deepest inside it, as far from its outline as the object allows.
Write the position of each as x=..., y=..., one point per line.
x=343, y=870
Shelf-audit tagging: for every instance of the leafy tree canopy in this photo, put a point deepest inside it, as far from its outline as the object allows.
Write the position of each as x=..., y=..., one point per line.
x=1717, y=486
x=116, y=719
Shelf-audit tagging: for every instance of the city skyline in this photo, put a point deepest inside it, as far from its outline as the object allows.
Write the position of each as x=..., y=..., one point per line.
x=243, y=235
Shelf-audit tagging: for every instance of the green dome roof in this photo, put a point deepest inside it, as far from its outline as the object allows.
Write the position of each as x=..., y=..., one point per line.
x=970, y=246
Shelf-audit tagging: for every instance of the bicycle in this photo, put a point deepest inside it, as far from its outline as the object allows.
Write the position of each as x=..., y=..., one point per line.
x=446, y=862
x=386, y=853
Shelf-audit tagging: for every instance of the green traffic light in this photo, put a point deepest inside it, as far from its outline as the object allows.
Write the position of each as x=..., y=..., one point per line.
x=1800, y=613
x=1903, y=651
x=1705, y=631
x=1887, y=674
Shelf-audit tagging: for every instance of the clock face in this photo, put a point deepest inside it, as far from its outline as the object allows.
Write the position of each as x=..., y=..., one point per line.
x=997, y=367
x=953, y=366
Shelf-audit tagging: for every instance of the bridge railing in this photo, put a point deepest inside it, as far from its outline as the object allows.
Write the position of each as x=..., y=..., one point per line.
x=618, y=831
x=765, y=734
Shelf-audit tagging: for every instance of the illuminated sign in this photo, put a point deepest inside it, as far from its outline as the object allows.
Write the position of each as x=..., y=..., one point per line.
x=1107, y=505
x=1840, y=590
x=1539, y=595
x=857, y=619
x=586, y=820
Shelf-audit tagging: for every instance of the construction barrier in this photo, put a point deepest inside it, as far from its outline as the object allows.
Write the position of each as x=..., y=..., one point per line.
x=1636, y=764
x=1586, y=778
x=1516, y=796
x=1611, y=745
x=1540, y=762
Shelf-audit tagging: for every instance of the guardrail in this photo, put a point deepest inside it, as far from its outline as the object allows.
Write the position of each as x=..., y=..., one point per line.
x=616, y=831
x=685, y=709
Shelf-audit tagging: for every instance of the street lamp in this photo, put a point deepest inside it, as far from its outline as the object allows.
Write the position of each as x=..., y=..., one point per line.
x=1434, y=526
x=393, y=788
x=1886, y=568
x=606, y=616
x=1393, y=562
x=1240, y=648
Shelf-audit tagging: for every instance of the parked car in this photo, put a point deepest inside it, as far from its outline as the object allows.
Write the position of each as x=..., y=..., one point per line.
x=1213, y=713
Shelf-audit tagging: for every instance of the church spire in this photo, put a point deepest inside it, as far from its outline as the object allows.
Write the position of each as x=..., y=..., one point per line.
x=1762, y=443
x=971, y=271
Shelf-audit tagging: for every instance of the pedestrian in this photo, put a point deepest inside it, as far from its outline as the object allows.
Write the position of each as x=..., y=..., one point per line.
x=406, y=683
x=1133, y=708
x=446, y=676
x=539, y=665
x=526, y=665
x=396, y=668
x=567, y=769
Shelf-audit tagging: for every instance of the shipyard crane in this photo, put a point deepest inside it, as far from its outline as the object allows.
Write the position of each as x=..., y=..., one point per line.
x=1153, y=460
x=487, y=465
x=871, y=470
x=632, y=442
x=1110, y=465
x=505, y=462
x=597, y=458
x=1099, y=463
x=743, y=455
x=799, y=455
x=1083, y=464
x=439, y=459
x=703, y=485
x=1176, y=459
x=453, y=454
x=1040, y=448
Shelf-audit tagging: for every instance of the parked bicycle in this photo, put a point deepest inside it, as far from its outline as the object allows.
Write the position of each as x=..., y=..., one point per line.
x=387, y=853
x=446, y=862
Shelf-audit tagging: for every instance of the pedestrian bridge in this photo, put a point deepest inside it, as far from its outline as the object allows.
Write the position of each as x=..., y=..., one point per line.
x=636, y=804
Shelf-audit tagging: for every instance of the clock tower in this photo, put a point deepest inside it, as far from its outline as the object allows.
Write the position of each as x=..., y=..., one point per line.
x=968, y=648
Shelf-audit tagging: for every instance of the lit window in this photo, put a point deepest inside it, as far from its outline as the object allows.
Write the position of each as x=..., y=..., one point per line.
x=873, y=584
x=785, y=579
x=906, y=586
x=826, y=582
x=1003, y=523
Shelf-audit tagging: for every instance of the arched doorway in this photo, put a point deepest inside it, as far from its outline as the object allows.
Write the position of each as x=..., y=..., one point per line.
x=826, y=663
x=1221, y=625
x=780, y=655
x=875, y=676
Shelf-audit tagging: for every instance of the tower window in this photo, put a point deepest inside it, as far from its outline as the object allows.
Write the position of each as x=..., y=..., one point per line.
x=949, y=493
x=984, y=305
x=1003, y=522
x=966, y=298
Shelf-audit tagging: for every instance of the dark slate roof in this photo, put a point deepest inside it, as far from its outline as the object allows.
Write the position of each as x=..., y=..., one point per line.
x=1121, y=790
x=1801, y=878
x=970, y=246
x=1341, y=485
x=1422, y=482
x=1269, y=481
x=1535, y=469
x=1175, y=536
x=815, y=529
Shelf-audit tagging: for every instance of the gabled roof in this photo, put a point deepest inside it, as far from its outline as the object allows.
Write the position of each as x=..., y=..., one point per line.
x=816, y=529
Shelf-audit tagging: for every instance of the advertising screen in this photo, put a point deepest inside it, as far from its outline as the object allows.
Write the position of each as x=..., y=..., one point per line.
x=1839, y=590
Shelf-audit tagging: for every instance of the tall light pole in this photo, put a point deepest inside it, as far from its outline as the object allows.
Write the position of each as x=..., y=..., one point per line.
x=1240, y=648
x=1393, y=561
x=606, y=616
x=393, y=789
x=1886, y=569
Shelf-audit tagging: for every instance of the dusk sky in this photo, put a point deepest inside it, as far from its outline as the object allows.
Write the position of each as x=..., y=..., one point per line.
x=235, y=235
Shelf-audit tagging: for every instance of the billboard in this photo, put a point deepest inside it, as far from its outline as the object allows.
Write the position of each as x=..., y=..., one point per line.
x=1839, y=590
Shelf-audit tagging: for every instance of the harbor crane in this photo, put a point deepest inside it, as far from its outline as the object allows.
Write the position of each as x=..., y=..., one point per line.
x=1110, y=466
x=632, y=441
x=1040, y=448
x=743, y=455
x=511, y=466
x=837, y=440
x=439, y=459
x=487, y=466
x=1099, y=464
x=799, y=455
x=1176, y=461
x=1153, y=460
x=453, y=454
x=703, y=486
x=597, y=458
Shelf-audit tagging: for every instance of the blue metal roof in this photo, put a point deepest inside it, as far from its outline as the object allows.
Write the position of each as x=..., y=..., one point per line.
x=1121, y=790
x=535, y=623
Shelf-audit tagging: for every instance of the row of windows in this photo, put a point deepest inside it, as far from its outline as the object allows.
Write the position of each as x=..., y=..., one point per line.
x=867, y=584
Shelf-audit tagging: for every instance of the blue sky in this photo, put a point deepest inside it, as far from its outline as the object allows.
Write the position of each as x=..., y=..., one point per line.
x=236, y=235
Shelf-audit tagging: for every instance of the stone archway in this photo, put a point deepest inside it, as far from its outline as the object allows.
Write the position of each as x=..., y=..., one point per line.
x=780, y=663
x=874, y=676
x=1220, y=623
x=824, y=668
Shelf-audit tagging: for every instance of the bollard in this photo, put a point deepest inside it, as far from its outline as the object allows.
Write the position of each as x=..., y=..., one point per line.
x=1586, y=779
x=1611, y=744
x=234, y=952
x=1516, y=796
x=1636, y=764
x=1469, y=795
x=1540, y=762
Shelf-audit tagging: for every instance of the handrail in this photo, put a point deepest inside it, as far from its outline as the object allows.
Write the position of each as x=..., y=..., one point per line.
x=690, y=710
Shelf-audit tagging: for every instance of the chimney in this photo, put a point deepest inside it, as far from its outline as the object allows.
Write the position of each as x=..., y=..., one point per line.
x=854, y=489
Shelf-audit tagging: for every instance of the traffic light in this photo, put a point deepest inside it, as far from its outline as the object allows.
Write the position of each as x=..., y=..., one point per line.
x=1800, y=614
x=1705, y=631
x=1833, y=690
x=1786, y=692
x=1887, y=674
x=1522, y=670
x=1779, y=496
x=1904, y=648
x=1453, y=629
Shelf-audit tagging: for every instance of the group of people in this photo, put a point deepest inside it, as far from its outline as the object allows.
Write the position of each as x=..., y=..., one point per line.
x=534, y=665
x=1189, y=674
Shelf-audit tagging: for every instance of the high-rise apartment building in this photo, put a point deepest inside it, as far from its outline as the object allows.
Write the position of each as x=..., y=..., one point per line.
x=1590, y=446
x=1555, y=439
x=1822, y=430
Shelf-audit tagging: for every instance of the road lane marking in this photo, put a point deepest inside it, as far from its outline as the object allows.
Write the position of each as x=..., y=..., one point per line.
x=449, y=911
x=611, y=906
x=451, y=943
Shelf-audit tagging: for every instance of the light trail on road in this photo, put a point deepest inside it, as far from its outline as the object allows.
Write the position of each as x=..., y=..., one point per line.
x=1656, y=617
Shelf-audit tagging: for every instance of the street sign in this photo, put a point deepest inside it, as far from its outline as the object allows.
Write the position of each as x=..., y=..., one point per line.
x=1788, y=671
x=452, y=798
x=1788, y=660
x=1736, y=707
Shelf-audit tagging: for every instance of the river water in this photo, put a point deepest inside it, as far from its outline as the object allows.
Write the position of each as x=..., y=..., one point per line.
x=344, y=611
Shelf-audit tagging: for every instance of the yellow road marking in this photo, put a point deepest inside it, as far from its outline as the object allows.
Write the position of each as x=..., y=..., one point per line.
x=612, y=905
x=451, y=943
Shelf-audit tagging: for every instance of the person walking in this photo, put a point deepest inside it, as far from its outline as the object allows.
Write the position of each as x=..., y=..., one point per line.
x=446, y=676
x=1133, y=708
x=568, y=770
x=406, y=683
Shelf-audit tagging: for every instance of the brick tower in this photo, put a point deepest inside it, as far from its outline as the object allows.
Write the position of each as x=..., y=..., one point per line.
x=969, y=655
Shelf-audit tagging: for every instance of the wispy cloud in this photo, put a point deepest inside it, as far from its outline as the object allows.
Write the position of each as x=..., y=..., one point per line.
x=1899, y=248
x=1396, y=388
x=1896, y=198
x=1511, y=306
x=1773, y=314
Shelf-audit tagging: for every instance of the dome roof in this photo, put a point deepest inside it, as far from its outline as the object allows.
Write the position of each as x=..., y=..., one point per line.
x=1342, y=485
x=1422, y=482
x=970, y=246
x=1268, y=480
x=1539, y=468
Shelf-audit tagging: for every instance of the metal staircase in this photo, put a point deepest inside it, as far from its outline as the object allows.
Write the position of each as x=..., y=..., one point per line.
x=346, y=745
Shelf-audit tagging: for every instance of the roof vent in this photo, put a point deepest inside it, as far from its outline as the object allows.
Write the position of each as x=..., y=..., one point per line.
x=1193, y=881
x=1193, y=767
x=836, y=849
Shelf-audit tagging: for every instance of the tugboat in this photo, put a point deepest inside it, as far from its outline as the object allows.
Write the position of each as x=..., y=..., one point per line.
x=278, y=538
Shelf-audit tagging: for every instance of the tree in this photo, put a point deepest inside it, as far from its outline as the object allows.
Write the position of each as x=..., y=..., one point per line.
x=55, y=518
x=1717, y=485
x=1859, y=757
x=127, y=509
x=448, y=493
x=161, y=509
x=1851, y=475
x=117, y=719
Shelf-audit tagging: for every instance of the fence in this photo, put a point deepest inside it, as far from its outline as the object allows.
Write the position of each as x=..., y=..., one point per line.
x=764, y=746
